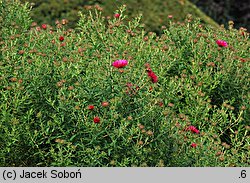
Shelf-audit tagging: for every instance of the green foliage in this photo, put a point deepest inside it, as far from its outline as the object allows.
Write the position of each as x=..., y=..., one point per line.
x=50, y=11
x=50, y=77
x=155, y=14
x=14, y=18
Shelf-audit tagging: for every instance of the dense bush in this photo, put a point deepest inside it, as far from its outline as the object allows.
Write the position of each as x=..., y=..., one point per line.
x=155, y=13
x=50, y=11
x=181, y=100
x=12, y=16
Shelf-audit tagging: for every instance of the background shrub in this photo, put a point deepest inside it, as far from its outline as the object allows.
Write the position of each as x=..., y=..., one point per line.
x=155, y=14
x=13, y=18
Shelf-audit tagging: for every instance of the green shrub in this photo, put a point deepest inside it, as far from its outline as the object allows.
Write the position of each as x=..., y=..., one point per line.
x=155, y=13
x=54, y=82
x=14, y=18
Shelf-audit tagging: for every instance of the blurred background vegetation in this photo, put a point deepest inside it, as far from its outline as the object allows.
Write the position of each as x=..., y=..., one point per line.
x=155, y=13
x=224, y=10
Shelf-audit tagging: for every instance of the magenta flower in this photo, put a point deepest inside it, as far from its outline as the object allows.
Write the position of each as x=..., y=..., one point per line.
x=61, y=38
x=194, y=145
x=44, y=26
x=170, y=16
x=152, y=75
x=91, y=107
x=221, y=43
x=96, y=119
x=117, y=15
x=120, y=63
x=193, y=129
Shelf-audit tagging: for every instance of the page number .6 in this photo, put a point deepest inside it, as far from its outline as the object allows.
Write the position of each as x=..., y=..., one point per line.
x=243, y=174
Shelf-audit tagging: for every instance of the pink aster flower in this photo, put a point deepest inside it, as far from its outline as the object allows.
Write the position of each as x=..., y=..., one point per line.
x=61, y=38
x=221, y=43
x=117, y=15
x=91, y=107
x=96, y=119
x=170, y=16
x=152, y=75
x=194, y=145
x=44, y=26
x=120, y=63
x=193, y=129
